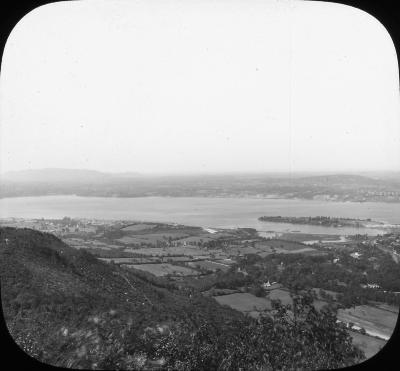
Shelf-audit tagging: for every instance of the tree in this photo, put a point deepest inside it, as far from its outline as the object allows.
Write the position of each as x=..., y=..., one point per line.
x=297, y=337
x=259, y=292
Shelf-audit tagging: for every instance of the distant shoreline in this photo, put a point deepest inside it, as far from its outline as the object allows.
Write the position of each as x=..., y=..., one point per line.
x=232, y=196
x=324, y=221
x=209, y=212
x=336, y=187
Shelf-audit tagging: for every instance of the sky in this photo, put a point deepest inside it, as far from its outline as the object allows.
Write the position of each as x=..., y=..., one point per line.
x=199, y=86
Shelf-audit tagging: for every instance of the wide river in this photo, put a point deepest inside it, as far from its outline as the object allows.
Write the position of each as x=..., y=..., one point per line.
x=202, y=211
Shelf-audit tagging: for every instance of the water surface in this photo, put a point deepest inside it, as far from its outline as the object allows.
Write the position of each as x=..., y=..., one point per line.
x=202, y=211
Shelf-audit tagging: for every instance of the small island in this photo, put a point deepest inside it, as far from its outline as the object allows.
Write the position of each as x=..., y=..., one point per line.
x=319, y=220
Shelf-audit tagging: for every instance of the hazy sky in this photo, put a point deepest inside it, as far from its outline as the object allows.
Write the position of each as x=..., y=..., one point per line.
x=175, y=86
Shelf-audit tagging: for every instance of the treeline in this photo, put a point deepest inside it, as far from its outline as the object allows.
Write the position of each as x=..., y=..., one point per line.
x=315, y=220
x=346, y=276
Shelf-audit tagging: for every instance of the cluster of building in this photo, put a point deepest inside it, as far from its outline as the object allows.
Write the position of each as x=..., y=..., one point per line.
x=58, y=227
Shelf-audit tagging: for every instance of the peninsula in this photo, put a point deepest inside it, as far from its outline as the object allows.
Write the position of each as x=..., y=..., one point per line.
x=325, y=221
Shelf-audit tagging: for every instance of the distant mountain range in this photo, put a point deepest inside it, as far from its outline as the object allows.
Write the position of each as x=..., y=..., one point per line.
x=340, y=179
x=79, y=175
x=383, y=187
x=62, y=175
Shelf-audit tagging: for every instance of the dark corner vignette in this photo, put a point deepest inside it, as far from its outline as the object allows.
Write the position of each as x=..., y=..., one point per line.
x=383, y=10
x=13, y=357
x=386, y=12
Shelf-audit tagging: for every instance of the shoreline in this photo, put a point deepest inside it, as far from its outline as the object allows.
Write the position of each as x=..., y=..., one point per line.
x=230, y=196
x=206, y=212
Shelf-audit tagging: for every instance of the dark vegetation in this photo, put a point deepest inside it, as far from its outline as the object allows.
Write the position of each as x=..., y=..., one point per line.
x=346, y=275
x=66, y=308
x=316, y=220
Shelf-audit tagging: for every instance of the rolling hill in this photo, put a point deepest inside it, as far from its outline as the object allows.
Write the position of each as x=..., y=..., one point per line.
x=58, y=301
x=339, y=187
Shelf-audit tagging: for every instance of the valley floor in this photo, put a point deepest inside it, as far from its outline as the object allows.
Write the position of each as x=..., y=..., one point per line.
x=217, y=263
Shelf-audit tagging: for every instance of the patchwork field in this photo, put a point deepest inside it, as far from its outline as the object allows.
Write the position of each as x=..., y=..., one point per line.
x=375, y=321
x=147, y=260
x=286, y=245
x=79, y=243
x=244, y=250
x=384, y=306
x=150, y=239
x=165, y=251
x=209, y=265
x=282, y=247
x=305, y=250
x=195, y=239
x=126, y=260
x=226, y=261
x=244, y=302
x=164, y=269
x=302, y=237
x=129, y=240
x=369, y=345
x=138, y=227
x=141, y=234
x=176, y=258
x=154, y=249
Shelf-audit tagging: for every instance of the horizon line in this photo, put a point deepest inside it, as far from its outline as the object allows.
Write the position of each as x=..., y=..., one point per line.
x=214, y=172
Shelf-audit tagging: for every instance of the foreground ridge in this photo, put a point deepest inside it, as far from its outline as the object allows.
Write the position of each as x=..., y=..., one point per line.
x=66, y=308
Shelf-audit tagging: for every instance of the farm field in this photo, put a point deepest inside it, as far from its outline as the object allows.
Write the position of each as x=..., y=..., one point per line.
x=285, y=245
x=278, y=250
x=164, y=269
x=226, y=261
x=79, y=243
x=176, y=259
x=384, y=306
x=124, y=260
x=302, y=237
x=284, y=296
x=282, y=247
x=138, y=227
x=244, y=302
x=92, y=246
x=219, y=292
x=173, y=250
x=264, y=250
x=368, y=344
x=135, y=260
x=235, y=250
x=195, y=239
x=209, y=265
x=298, y=251
x=153, y=238
x=376, y=321
x=129, y=240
